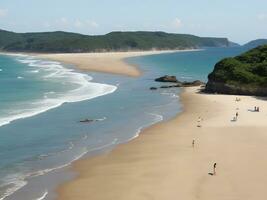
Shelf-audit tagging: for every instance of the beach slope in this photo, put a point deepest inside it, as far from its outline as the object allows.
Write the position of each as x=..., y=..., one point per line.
x=111, y=62
x=162, y=164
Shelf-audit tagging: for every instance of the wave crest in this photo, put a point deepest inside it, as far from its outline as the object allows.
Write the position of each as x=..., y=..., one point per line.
x=56, y=72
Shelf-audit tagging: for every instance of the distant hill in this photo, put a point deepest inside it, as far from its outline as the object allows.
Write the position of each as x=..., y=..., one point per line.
x=115, y=41
x=245, y=74
x=233, y=44
x=256, y=43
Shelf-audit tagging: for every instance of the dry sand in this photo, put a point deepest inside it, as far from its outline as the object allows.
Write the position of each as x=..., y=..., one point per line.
x=111, y=62
x=162, y=165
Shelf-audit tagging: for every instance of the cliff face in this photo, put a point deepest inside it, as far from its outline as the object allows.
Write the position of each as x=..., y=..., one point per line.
x=244, y=75
x=224, y=88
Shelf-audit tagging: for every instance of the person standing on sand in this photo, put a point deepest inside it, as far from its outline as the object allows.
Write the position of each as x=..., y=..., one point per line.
x=193, y=143
x=236, y=115
x=198, y=122
x=214, y=168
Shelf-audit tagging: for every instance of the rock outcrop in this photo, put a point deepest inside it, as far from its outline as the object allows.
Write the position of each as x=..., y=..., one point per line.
x=224, y=88
x=192, y=84
x=167, y=78
x=173, y=79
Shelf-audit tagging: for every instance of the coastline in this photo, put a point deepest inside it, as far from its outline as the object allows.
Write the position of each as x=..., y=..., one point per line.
x=109, y=62
x=161, y=163
x=32, y=61
x=78, y=95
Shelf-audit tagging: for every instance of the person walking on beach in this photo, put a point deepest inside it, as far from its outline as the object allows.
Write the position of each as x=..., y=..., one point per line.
x=193, y=143
x=198, y=122
x=236, y=115
x=214, y=168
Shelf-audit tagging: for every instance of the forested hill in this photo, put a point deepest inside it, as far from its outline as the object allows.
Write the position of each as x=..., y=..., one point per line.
x=255, y=43
x=59, y=41
x=244, y=74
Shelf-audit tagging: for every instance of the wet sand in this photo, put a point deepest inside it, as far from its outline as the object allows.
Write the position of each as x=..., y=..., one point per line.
x=162, y=164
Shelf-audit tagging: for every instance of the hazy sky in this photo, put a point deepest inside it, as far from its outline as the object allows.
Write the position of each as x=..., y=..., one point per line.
x=239, y=20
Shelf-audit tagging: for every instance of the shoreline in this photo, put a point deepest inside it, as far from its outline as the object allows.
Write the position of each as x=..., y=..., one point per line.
x=108, y=62
x=161, y=163
x=79, y=96
x=34, y=61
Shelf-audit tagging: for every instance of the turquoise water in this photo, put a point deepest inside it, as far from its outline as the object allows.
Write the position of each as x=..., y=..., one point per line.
x=38, y=138
x=42, y=103
x=190, y=65
x=46, y=84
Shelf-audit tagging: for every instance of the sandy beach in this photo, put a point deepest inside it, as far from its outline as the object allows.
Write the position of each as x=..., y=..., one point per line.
x=133, y=100
x=162, y=164
x=110, y=62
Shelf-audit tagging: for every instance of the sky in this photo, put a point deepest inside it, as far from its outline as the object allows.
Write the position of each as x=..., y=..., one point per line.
x=238, y=20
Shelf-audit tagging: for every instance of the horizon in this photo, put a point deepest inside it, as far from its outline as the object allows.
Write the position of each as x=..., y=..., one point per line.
x=243, y=21
x=131, y=32
x=141, y=99
x=115, y=32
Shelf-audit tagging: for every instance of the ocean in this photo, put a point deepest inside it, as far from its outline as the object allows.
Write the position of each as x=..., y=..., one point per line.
x=42, y=103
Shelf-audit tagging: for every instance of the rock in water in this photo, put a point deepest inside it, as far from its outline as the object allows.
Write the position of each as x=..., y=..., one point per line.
x=173, y=79
x=166, y=78
x=86, y=120
x=166, y=86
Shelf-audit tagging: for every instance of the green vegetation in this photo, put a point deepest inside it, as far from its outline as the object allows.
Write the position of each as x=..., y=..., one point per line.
x=248, y=69
x=114, y=41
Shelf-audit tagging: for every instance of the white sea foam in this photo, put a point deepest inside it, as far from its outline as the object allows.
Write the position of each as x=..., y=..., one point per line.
x=42, y=156
x=28, y=60
x=101, y=119
x=51, y=92
x=20, y=77
x=20, y=180
x=34, y=71
x=115, y=140
x=187, y=77
x=170, y=94
x=157, y=119
x=85, y=89
x=84, y=152
x=16, y=182
x=1, y=70
x=13, y=183
x=45, y=171
x=43, y=196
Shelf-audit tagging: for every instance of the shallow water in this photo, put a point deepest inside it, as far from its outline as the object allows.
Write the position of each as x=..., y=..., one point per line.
x=35, y=151
x=32, y=147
